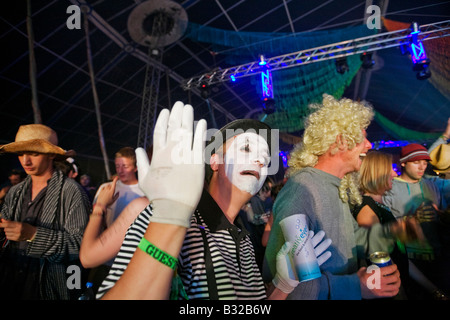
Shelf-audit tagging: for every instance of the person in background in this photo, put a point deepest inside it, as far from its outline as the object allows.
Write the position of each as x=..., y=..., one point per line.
x=127, y=185
x=274, y=193
x=69, y=167
x=127, y=190
x=43, y=219
x=85, y=182
x=192, y=223
x=258, y=211
x=439, y=153
x=321, y=185
x=412, y=194
x=14, y=177
x=375, y=178
x=443, y=139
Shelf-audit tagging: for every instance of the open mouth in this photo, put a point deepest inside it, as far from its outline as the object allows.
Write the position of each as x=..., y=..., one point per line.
x=362, y=155
x=251, y=173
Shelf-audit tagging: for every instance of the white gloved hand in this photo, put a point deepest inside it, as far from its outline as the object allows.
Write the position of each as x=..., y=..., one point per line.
x=286, y=278
x=173, y=182
x=319, y=249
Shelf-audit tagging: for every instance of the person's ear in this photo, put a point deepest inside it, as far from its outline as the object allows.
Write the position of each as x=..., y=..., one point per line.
x=341, y=143
x=214, y=162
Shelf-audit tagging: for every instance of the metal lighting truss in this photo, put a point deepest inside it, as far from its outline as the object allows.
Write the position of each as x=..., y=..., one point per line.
x=149, y=101
x=332, y=51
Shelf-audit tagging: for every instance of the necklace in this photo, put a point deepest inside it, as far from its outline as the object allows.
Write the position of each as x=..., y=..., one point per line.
x=382, y=206
x=379, y=204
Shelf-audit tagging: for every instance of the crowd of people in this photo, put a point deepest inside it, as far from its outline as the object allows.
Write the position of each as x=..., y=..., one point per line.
x=206, y=223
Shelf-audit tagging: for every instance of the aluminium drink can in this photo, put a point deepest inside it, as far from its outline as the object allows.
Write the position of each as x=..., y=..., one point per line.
x=380, y=258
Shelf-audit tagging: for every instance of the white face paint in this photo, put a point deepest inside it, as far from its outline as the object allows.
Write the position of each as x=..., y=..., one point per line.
x=246, y=162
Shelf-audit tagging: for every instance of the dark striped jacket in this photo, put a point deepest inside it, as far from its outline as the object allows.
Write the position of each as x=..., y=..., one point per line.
x=64, y=217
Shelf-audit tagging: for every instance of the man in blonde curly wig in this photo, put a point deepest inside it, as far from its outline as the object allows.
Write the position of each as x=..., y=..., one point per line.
x=319, y=185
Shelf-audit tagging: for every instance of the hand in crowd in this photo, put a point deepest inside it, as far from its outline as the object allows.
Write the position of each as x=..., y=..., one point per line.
x=286, y=278
x=176, y=153
x=427, y=212
x=106, y=196
x=17, y=231
x=384, y=284
x=407, y=229
x=320, y=246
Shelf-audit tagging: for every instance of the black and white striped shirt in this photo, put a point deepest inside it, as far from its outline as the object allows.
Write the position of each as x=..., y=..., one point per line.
x=235, y=270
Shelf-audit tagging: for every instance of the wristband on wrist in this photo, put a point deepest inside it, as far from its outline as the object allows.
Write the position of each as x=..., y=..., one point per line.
x=445, y=137
x=158, y=254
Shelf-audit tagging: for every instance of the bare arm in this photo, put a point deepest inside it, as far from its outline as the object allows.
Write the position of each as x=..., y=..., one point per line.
x=366, y=217
x=146, y=277
x=98, y=246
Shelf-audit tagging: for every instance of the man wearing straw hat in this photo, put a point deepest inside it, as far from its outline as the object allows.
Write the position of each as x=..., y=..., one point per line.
x=42, y=221
x=440, y=160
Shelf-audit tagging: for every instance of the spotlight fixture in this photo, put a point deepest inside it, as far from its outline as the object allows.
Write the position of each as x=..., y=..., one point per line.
x=424, y=73
x=367, y=61
x=268, y=105
x=341, y=65
x=419, y=57
x=204, y=90
x=262, y=62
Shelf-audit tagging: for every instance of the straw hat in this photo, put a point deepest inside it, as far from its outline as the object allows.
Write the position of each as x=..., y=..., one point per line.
x=36, y=138
x=440, y=158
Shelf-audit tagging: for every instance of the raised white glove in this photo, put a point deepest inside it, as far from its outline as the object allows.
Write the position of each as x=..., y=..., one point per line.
x=286, y=278
x=173, y=182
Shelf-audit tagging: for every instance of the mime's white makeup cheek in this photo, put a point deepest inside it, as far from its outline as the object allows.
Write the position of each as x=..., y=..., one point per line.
x=238, y=161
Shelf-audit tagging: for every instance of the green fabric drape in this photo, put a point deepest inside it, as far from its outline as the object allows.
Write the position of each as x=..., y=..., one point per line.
x=243, y=47
x=294, y=88
x=401, y=133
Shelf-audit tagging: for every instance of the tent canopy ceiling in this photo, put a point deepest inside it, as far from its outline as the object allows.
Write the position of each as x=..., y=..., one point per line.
x=64, y=87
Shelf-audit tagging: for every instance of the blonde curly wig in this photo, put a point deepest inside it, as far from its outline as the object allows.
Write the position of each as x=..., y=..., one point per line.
x=333, y=118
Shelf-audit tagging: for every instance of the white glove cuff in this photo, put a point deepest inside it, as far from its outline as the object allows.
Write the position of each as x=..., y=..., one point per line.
x=281, y=284
x=171, y=212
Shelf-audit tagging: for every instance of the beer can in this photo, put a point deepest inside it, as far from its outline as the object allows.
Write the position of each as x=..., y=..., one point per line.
x=380, y=258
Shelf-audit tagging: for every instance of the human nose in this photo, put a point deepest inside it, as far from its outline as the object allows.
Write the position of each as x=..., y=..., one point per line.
x=393, y=173
x=367, y=143
x=261, y=160
x=25, y=159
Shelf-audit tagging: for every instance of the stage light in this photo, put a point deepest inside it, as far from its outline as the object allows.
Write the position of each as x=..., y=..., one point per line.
x=268, y=105
x=367, y=61
x=424, y=73
x=204, y=91
x=266, y=84
x=262, y=62
x=418, y=54
x=341, y=65
x=268, y=101
x=233, y=78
